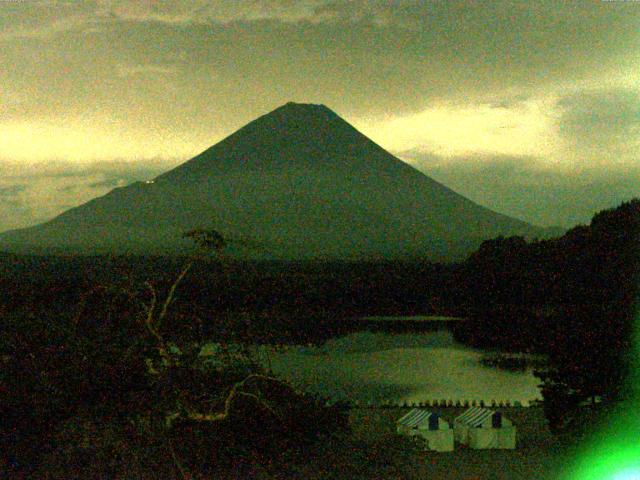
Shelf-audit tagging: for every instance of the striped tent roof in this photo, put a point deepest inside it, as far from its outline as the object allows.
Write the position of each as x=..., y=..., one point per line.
x=475, y=416
x=416, y=417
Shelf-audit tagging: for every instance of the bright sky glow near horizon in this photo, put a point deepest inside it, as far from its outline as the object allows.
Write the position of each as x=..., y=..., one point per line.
x=529, y=108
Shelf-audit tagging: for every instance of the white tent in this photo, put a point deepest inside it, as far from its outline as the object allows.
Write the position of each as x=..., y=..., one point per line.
x=483, y=428
x=432, y=428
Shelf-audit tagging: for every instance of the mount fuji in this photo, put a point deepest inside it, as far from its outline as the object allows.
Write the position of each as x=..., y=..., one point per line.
x=297, y=183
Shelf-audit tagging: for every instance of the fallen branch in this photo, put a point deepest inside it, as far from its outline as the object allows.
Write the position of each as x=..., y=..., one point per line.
x=234, y=392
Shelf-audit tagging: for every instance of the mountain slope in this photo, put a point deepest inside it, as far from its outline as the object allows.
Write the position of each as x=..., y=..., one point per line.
x=299, y=182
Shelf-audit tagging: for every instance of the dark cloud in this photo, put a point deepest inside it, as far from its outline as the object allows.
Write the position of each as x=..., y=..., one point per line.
x=110, y=170
x=508, y=101
x=67, y=189
x=12, y=190
x=112, y=183
x=603, y=114
x=230, y=61
x=189, y=12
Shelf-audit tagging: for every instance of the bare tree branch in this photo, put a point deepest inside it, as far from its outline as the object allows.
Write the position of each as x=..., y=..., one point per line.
x=234, y=392
x=172, y=291
x=149, y=323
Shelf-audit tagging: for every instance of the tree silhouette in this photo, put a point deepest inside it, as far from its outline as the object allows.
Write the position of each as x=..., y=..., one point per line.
x=572, y=297
x=591, y=348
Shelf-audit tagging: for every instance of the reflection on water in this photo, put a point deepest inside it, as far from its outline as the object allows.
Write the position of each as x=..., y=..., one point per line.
x=375, y=367
x=367, y=342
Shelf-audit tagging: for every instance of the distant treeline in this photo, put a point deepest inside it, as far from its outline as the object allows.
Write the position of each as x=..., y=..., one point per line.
x=519, y=295
x=527, y=295
x=268, y=301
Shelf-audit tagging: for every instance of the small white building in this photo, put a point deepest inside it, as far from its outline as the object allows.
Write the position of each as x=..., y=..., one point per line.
x=432, y=428
x=481, y=428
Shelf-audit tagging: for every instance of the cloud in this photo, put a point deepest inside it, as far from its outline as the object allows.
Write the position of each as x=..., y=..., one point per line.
x=600, y=114
x=12, y=190
x=601, y=126
x=109, y=169
x=10, y=203
x=181, y=12
x=42, y=20
x=521, y=126
x=111, y=183
x=31, y=194
x=77, y=141
x=362, y=57
x=145, y=69
x=45, y=19
x=526, y=187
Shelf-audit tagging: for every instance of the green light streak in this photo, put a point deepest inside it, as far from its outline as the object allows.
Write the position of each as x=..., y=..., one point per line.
x=614, y=453
x=629, y=474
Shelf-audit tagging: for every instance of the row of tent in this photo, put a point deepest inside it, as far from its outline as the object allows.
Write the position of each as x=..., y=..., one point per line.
x=477, y=427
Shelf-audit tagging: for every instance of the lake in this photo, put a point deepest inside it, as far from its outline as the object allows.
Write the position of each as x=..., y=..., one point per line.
x=399, y=367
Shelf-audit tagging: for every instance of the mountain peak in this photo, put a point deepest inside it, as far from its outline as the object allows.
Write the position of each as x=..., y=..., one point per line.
x=293, y=110
x=304, y=106
x=293, y=133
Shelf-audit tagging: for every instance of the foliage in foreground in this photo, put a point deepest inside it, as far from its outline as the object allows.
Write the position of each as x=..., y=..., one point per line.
x=104, y=392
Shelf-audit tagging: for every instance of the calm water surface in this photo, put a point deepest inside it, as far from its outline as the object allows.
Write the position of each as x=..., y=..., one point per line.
x=399, y=367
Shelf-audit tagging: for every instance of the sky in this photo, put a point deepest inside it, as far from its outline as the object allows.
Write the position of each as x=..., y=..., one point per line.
x=529, y=108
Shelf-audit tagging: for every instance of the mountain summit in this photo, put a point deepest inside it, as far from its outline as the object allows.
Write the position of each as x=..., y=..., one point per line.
x=297, y=133
x=297, y=183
